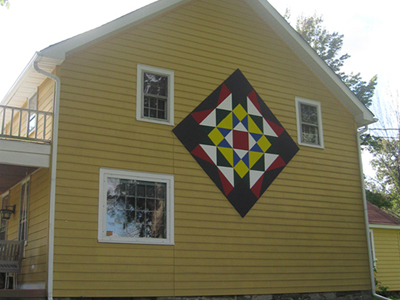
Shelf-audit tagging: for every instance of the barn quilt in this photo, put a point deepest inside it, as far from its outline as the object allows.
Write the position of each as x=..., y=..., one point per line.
x=237, y=141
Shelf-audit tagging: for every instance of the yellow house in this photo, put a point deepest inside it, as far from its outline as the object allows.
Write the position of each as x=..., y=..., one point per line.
x=189, y=148
x=385, y=239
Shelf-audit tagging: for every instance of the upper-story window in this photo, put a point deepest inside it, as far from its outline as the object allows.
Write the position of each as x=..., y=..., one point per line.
x=155, y=95
x=32, y=104
x=309, y=123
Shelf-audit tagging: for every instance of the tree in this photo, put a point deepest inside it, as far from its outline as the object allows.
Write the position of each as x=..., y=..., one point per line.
x=328, y=46
x=5, y=3
x=386, y=153
x=386, y=162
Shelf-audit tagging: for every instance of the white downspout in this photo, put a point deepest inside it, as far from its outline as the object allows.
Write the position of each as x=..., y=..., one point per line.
x=370, y=258
x=53, y=174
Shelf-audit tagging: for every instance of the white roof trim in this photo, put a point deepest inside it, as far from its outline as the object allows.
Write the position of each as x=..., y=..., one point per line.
x=384, y=226
x=55, y=54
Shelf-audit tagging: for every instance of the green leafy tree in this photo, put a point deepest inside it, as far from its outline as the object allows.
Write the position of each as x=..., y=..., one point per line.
x=5, y=3
x=328, y=46
x=386, y=162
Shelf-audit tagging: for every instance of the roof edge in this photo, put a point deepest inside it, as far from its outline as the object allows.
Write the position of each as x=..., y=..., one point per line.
x=67, y=47
x=363, y=116
x=380, y=226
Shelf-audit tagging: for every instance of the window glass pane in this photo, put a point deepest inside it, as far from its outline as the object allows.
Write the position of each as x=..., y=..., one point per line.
x=132, y=208
x=155, y=84
x=309, y=114
x=310, y=134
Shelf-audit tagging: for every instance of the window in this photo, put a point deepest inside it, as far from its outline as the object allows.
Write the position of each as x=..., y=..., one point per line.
x=309, y=123
x=23, y=213
x=32, y=104
x=155, y=95
x=3, y=223
x=136, y=207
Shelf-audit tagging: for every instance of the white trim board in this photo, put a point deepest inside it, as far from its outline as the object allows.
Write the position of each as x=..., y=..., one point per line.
x=25, y=154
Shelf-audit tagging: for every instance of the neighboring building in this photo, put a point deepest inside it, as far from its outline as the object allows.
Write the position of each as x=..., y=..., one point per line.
x=385, y=240
x=191, y=148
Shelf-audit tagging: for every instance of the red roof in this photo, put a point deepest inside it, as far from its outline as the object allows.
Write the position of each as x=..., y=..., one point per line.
x=378, y=216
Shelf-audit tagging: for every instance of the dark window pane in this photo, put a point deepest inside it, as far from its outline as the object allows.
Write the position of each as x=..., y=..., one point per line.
x=155, y=84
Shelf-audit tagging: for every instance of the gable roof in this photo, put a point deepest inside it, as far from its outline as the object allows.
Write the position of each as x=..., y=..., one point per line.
x=54, y=55
x=378, y=216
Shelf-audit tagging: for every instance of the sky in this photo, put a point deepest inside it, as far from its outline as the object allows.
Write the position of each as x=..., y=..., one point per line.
x=369, y=27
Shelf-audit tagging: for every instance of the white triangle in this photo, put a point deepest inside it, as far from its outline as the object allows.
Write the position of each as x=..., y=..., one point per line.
x=267, y=129
x=240, y=127
x=226, y=104
x=241, y=153
x=211, y=152
x=252, y=141
x=229, y=138
x=228, y=173
x=254, y=176
x=269, y=159
x=251, y=109
x=210, y=120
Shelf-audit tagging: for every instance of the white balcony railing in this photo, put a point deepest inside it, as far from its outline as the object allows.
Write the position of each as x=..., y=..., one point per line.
x=25, y=124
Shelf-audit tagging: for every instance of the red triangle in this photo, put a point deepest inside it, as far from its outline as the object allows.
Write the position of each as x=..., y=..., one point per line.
x=225, y=92
x=277, y=129
x=256, y=189
x=253, y=98
x=227, y=186
x=199, y=152
x=199, y=116
x=278, y=163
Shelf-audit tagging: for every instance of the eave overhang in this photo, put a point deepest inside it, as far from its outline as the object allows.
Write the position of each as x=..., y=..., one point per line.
x=54, y=55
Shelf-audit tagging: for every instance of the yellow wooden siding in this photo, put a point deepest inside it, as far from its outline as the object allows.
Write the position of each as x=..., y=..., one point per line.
x=305, y=234
x=387, y=254
x=34, y=266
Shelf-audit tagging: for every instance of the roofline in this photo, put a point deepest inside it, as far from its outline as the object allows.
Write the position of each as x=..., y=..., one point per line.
x=56, y=54
x=384, y=226
x=67, y=47
x=363, y=116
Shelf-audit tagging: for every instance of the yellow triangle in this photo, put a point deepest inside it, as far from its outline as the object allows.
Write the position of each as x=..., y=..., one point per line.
x=227, y=153
x=226, y=123
x=254, y=157
x=253, y=128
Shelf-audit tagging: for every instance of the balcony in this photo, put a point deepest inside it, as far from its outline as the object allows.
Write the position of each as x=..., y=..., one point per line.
x=25, y=143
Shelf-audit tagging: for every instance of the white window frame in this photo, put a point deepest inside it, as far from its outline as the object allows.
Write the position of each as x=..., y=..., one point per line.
x=141, y=69
x=142, y=176
x=317, y=104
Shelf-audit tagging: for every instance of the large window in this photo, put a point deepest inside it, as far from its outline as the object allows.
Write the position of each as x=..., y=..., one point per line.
x=155, y=95
x=136, y=207
x=5, y=198
x=309, y=123
x=23, y=214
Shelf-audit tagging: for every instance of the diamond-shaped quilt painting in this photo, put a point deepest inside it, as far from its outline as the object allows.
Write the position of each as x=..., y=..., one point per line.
x=237, y=141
